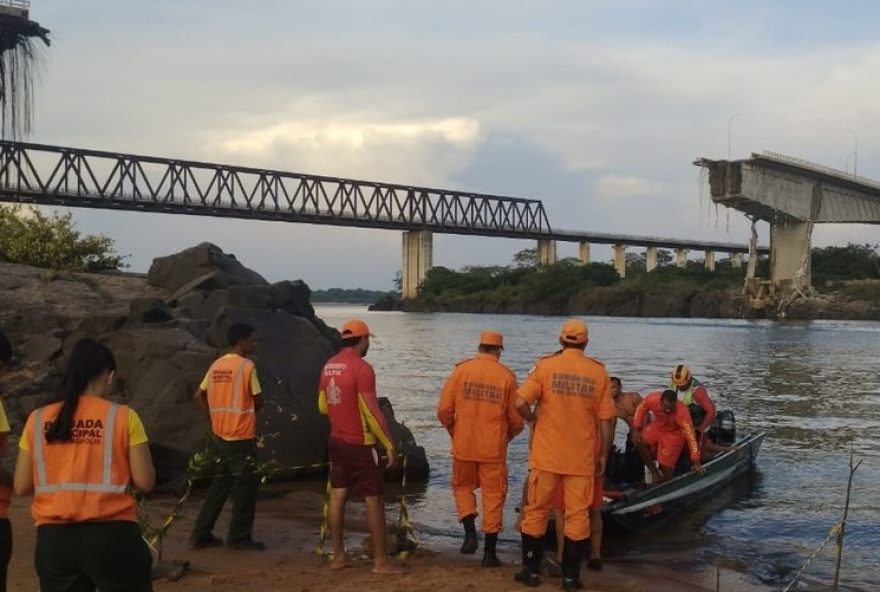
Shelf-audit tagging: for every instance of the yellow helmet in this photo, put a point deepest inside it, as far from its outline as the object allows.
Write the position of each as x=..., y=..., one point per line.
x=681, y=376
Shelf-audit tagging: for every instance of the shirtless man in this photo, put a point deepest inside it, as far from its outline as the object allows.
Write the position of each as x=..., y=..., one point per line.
x=625, y=405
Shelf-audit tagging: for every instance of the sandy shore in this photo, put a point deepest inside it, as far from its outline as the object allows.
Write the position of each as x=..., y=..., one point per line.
x=289, y=524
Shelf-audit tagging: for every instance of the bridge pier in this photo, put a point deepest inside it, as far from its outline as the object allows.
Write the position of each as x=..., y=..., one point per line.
x=584, y=252
x=546, y=252
x=790, y=253
x=681, y=257
x=620, y=260
x=736, y=260
x=709, y=260
x=650, y=259
x=418, y=258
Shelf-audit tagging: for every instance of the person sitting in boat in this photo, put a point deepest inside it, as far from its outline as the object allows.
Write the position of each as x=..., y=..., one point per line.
x=625, y=405
x=664, y=437
x=695, y=396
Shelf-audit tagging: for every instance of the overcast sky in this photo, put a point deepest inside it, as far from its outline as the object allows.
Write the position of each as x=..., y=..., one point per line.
x=597, y=108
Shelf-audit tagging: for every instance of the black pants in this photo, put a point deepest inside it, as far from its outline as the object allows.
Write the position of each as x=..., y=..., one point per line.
x=5, y=550
x=89, y=556
x=235, y=475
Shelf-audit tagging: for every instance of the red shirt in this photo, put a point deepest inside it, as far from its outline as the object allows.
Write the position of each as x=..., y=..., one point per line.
x=678, y=420
x=347, y=394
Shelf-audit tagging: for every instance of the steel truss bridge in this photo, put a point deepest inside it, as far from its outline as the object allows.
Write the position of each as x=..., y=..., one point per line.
x=75, y=177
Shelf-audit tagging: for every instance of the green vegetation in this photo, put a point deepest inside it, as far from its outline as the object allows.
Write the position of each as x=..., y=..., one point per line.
x=349, y=296
x=566, y=285
x=852, y=262
x=525, y=283
x=30, y=237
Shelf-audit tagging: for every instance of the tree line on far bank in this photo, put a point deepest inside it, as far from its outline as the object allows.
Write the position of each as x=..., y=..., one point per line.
x=526, y=281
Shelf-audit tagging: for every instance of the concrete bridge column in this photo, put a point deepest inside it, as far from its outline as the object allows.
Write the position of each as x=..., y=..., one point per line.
x=790, y=253
x=736, y=260
x=546, y=252
x=681, y=257
x=709, y=260
x=620, y=260
x=584, y=252
x=650, y=258
x=418, y=258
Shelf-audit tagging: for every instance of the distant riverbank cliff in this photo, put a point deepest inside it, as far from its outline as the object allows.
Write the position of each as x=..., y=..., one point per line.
x=847, y=291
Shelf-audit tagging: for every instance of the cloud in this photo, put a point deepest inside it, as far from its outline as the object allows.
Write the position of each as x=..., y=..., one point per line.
x=461, y=131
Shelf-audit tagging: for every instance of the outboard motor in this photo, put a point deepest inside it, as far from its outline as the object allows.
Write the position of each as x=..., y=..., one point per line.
x=723, y=430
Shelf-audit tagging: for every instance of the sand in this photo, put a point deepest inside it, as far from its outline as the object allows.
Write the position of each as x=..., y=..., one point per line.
x=289, y=525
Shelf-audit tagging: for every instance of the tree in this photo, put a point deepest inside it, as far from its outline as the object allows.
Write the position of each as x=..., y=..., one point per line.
x=526, y=258
x=30, y=237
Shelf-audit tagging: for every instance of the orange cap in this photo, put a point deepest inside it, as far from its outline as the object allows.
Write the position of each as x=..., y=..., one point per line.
x=492, y=338
x=574, y=332
x=355, y=328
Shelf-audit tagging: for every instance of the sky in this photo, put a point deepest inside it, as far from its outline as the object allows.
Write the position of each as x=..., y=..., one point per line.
x=598, y=108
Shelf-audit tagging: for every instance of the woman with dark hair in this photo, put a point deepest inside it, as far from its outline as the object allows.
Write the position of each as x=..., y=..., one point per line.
x=79, y=456
x=5, y=474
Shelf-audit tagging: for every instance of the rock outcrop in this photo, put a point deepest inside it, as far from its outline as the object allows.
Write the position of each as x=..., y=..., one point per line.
x=165, y=331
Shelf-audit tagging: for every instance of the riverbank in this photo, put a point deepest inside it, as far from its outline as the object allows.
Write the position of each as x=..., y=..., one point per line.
x=288, y=523
x=674, y=302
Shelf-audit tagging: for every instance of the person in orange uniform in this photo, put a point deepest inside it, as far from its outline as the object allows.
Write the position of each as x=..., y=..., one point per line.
x=5, y=474
x=347, y=395
x=574, y=395
x=230, y=396
x=694, y=395
x=477, y=409
x=79, y=456
x=665, y=436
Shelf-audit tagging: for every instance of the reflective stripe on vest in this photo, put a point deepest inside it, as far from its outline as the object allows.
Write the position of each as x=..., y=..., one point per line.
x=238, y=388
x=106, y=484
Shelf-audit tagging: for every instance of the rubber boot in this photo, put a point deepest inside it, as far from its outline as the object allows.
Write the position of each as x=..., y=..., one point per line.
x=469, y=546
x=490, y=559
x=572, y=554
x=532, y=554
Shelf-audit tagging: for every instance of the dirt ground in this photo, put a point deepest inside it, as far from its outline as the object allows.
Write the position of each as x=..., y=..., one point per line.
x=289, y=525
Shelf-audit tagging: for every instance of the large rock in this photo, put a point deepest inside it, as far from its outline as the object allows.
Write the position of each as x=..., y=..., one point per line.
x=205, y=264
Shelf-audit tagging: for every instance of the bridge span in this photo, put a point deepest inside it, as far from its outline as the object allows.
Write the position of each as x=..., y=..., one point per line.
x=792, y=195
x=74, y=177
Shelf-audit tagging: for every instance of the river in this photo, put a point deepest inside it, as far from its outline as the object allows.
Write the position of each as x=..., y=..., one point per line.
x=814, y=387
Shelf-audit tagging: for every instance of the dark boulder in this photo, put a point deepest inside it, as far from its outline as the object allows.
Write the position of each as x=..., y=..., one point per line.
x=205, y=262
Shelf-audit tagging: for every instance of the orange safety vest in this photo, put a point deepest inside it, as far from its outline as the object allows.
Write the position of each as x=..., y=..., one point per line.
x=85, y=479
x=229, y=398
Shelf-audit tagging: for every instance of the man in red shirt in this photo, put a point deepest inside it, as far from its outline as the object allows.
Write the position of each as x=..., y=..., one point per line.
x=665, y=436
x=347, y=395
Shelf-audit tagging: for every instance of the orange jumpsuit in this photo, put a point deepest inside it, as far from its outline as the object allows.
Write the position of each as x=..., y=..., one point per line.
x=668, y=432
x=574, y=394
x=477, y=408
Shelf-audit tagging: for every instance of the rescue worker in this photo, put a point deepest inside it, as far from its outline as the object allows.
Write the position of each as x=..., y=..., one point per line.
x=5, y=474
x=230, y=396
x=694, y=395
x=665, y=436
x=347, y=395
x=477, y=409
x=574, y=395
x=79, y=456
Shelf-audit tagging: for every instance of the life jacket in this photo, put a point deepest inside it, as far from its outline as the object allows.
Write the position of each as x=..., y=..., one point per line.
x=87, y=478
x=231, y=404
x=698, y=414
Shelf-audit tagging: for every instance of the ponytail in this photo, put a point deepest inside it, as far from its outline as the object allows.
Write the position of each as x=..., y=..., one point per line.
x=88, y=361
